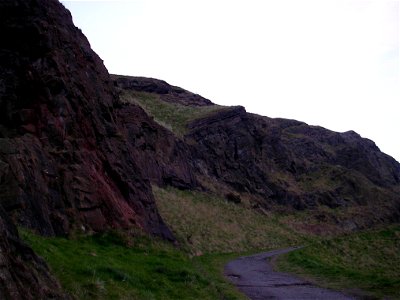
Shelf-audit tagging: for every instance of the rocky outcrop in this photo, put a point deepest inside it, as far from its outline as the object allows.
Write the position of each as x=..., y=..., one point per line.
x=75, y=157
x=71, y=155
x=290, y=163
x=281, y=162
x=167, y=92
x=160, y=155
x=23, y=275
x=64, y=159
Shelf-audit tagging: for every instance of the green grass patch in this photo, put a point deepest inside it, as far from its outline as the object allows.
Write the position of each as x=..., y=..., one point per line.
x=367, y=260
x=205, y=223
x=117, y=266
x=173, y=116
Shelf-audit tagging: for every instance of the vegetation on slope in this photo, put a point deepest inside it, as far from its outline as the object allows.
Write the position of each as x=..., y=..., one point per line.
x=367, y=261
x=173, y=116
x=117, y=266
x=121, y=266
x=205, y=223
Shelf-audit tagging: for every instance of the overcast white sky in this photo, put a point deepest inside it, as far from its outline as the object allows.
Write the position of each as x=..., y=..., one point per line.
x=333, y=63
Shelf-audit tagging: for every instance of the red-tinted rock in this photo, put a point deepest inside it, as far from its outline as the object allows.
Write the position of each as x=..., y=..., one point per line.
x=64, y=159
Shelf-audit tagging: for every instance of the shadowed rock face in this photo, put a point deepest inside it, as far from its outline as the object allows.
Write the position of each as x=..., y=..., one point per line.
x=161, y=157
x=284, y=162
x=64, y=159
x=23, y=275
x=73, y=156
x=291, y=163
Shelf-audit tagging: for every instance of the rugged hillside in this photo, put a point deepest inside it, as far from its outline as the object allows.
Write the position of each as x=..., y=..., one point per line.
x=72, y=156
x=291, y=163
x=274, y=162
x=66, y=162
x=79, y=149
x=65, y=156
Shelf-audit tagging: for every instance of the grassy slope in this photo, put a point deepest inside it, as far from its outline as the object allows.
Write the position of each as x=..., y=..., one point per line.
x=173, y=116
x=116, y=266
x=204, y=223
x=113, y=266
x=367, y=260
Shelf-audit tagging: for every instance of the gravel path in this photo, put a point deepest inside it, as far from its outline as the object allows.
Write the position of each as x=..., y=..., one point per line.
x=253, y=275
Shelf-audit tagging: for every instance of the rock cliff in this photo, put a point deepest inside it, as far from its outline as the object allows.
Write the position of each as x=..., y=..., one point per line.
x=291, y=163
x=64, y=159
x=279, y=162
x=74, y=155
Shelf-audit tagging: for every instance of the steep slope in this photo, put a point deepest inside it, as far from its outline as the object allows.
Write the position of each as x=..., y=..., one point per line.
x=72, y=157
x=292, y=163
x=65, y=162
x=23, y=275
x=77, y=153
x=276, y=162
x=160, y=156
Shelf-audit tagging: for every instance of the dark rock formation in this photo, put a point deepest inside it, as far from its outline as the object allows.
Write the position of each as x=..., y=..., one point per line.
x=72, y=156
x=282, y=162
x=67, y=159
x=23, y=275
x=167, y=92
x=64, y=159
x=291, y=163
x=161, y=157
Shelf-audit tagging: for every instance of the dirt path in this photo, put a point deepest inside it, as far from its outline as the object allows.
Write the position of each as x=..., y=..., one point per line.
x=253, y=275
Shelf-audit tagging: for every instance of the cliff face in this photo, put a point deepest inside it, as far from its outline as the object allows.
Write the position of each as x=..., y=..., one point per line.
x=74, y=156
x=278, y=162
x=288, y=162
x=160, y=156
x=64, y=159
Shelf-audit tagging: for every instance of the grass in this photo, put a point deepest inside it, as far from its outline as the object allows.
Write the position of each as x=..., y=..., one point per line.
x=367, y=260
x=204, y=223
x=210, y=232
x=362, y=263
x=173, y=116
x=116, y=266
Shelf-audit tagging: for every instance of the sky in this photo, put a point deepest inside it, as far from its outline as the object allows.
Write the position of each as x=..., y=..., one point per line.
x=332, y=63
